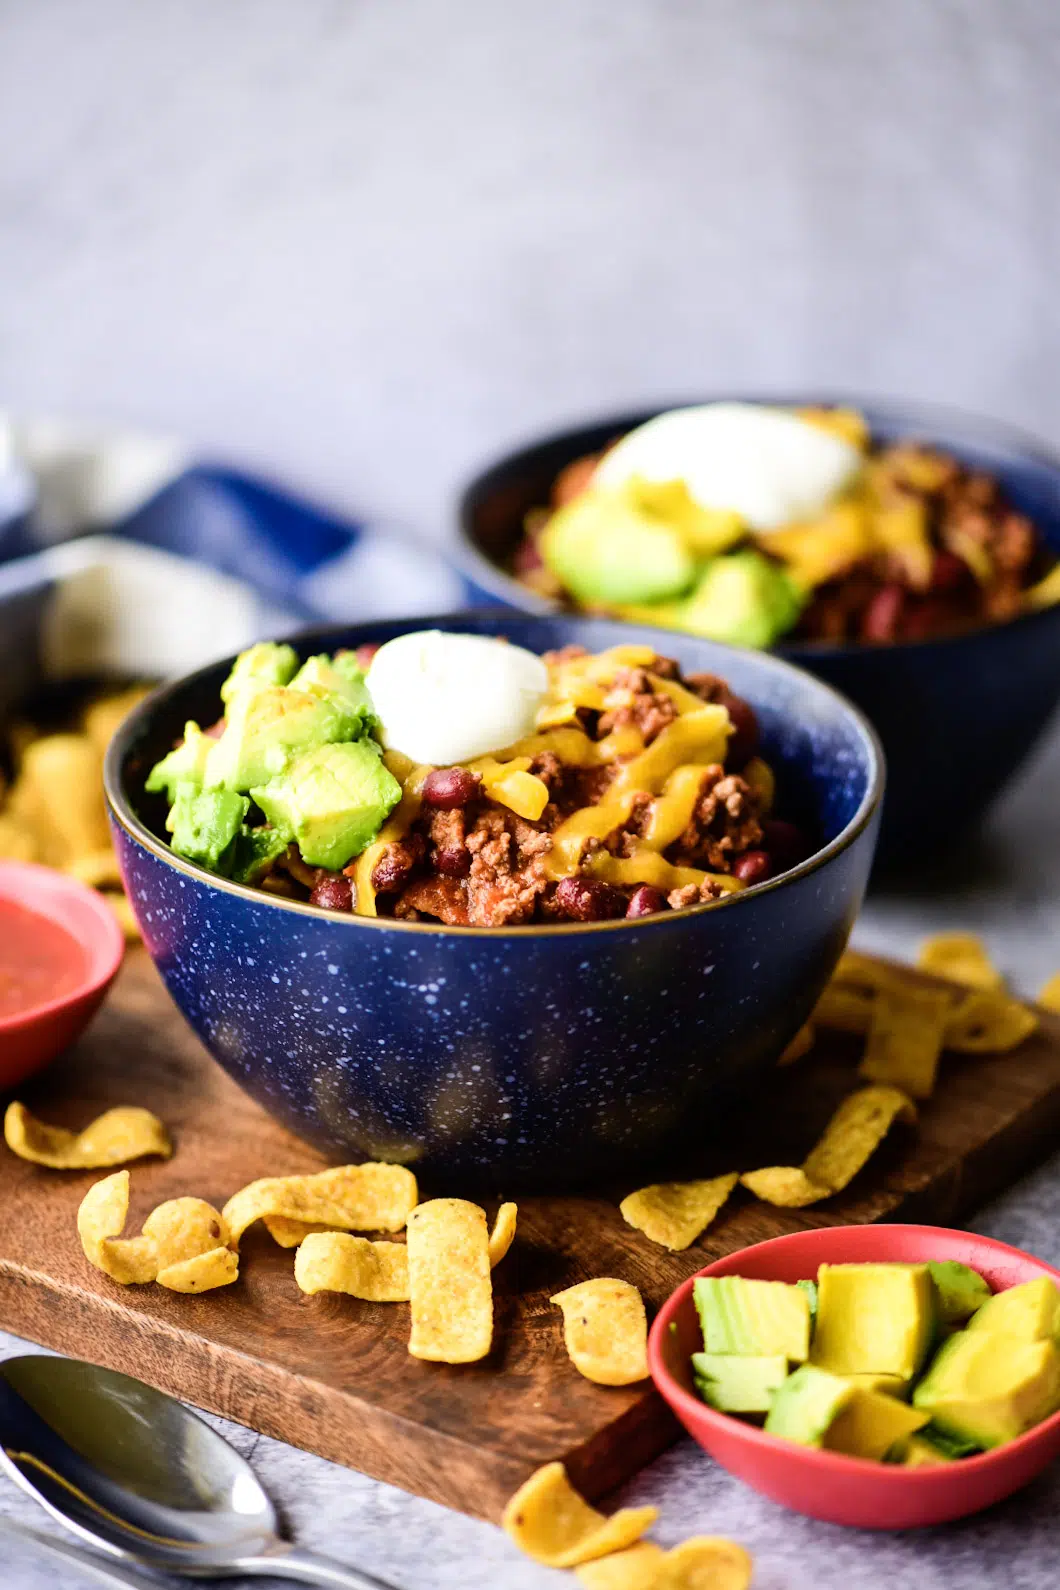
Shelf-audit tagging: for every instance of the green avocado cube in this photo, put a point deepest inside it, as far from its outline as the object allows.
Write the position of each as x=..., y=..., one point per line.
x=332, y=801
x=743, y=598
x=960, y=1290
x=1030, y=1311
x=184, y=765
x=266, y=729
x=254, y=851
x=259, y=666
x=606, y=548
x=761, y=1318
x=205, y=822
x=342, y=677
x=986, y=1388
x=739, y=1384
x=872, y=1425
x=874, y=1318
x=807, y=1404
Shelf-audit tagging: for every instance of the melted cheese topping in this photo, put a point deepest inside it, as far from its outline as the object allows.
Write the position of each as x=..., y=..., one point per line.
x=670, y=770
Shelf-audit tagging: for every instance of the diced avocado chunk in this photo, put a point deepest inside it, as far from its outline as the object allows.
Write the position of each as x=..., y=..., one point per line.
x=921, y=1453
x=184, y=765
x=342, y=677
x=888, y=1385
x=205, y=822
x=762, y=1318
x=607, y=548
x=872, y=1424
x=266, y=729
x=262, y=665
x=987, y=1388
x=738, y=1384
x=254, y=851
x=1030, y=1311
x=807, y=1404
x=743, y=598
x=950, y=1445
x=874, y=1318
x=810, y=1288
x=332, y=800
x=960, y=1290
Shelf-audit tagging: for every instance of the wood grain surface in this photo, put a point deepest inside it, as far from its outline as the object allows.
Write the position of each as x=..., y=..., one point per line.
x=333, y=1374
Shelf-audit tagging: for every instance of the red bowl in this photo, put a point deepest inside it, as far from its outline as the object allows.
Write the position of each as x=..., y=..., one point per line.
x=33, y=1037
x=828, y=1485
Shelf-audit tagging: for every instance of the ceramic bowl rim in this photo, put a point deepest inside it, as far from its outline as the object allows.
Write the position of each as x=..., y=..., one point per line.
x=122, y=813
x=832, y=1464
x=105, y=959
x=474, y=563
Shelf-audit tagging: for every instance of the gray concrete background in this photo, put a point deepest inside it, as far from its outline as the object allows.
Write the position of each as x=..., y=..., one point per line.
x=368, y=243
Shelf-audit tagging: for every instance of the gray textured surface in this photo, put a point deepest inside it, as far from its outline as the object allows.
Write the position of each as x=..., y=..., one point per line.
x=369, y=243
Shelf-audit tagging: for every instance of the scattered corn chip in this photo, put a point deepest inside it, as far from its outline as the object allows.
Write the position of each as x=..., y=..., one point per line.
x=989, y=1023
x=183, y=1246
x=113, y=1138
x=503, y=1234
x=706, y=1562
x=449, y=1282
x=96, y=868
x=801, y=1044
x=961, y=957
x=636, y=1568
x=605, y=1330
x=65, y=777
x=861, y=973
x=335, y=1261
x=369, y=1197
x=103, y=717
x=17, y=840
x=856, y=1129
x=1049, y=993
x=289, y=1233
x=548, y=1520
x=124, y=913
x=844, y=1010
x=675, y=1213
x=905, y=1039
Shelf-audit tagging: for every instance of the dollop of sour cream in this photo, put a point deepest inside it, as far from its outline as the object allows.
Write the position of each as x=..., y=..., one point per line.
x=444, y=698
x=766, y=464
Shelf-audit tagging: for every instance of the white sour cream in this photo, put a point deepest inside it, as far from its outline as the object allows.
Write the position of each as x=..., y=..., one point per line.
x=766, y=464
x=444, y=699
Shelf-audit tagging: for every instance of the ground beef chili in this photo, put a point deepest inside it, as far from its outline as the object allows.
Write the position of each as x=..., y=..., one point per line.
x=984, y=555
x=468, y=860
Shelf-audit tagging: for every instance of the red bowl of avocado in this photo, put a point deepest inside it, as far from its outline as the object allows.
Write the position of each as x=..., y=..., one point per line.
x=957, y=1410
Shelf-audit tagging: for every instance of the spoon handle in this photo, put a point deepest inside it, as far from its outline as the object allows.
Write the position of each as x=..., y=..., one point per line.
x=98, y=1568
x=308, y=1568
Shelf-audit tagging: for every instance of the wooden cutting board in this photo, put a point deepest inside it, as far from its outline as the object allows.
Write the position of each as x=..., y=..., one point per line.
x=332, y=1374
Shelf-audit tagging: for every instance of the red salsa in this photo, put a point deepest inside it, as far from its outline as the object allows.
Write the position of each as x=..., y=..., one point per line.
x=39, y=960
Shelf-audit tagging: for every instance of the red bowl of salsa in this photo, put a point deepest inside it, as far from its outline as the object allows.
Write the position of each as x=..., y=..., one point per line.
x=60, y=950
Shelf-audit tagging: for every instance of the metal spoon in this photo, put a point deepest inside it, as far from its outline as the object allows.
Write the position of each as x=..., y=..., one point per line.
x=105, y=1571
x=138, y=1475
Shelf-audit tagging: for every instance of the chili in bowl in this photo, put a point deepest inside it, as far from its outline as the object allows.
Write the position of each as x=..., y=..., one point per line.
x=477, y=988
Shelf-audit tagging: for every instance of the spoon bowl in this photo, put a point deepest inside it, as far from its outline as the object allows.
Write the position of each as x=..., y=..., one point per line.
x=135, y=1473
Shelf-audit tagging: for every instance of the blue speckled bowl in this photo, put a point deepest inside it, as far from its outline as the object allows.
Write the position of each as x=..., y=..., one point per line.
x=511, y=1057
x=957, y=716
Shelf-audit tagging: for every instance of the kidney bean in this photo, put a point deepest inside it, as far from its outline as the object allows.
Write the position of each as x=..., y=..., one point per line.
x=646, y=901
x=453, y=860
x=394, y=867
x=947, y=572
x=785, y=843
x=215, y=731
x=527, y=558
x=743, y=741
x=880, y=620
x=332, y=892
x=573, y=479
x=449, y=787
x=589, y=900
x=365, y=653
x=753, y=866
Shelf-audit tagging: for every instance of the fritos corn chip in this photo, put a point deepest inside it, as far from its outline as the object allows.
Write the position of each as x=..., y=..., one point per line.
x=124, y=913
x=675, y=1213
x=96, y=868
x=989, y=1023
x=289, y=1233
x=856, y=1129
x=103, y=717
x=64, y=773
x=1049, y=993
x=636, y=1568
x=17, y=840
x=184, y=1245
x=801, y=1044
x=503, y=1234
x=706, y=1562
x=962, y=957
x=844, y=1009
x=605, y=1330
x=548, y=1520
x=113, y=1138
x=450, y=1290
x=905, y=1039
x=335, y=1261
x=370, y=1197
